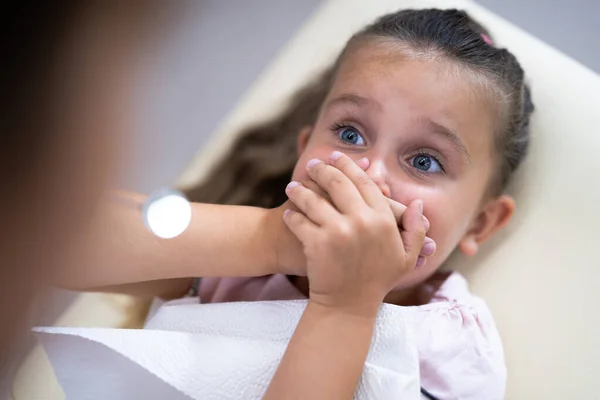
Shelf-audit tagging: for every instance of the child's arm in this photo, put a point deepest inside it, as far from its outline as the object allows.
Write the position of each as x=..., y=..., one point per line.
x=326, y=355
x=355, y=254
x=119, y=254
x=119, y=250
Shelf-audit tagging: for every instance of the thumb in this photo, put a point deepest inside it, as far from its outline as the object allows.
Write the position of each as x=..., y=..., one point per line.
x=413, y=234
x=398, y=210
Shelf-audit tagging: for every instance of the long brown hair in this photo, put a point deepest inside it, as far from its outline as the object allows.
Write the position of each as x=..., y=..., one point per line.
x=261, y=161
x=242, y=176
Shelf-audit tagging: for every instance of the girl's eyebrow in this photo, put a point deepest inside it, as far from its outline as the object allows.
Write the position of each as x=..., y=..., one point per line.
x=354, y=100
x=447, y=133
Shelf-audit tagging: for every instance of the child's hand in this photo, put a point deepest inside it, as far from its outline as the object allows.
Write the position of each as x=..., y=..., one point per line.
x=289, y=255
x=355, y=252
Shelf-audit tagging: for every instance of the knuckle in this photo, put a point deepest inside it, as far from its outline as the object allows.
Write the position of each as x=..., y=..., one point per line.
x=362, y=221
x=318, y=171
x=310, y=185
x=314, y=206
x=316, y=189
x=416, y=235
x=420, y=232
x=364, y=180
x=365, y=221
x=343, y=231
x=296, y=218
x=384, y=220
x=344, y=163
x=335, y=181
x=308, y=203
x=374, y=222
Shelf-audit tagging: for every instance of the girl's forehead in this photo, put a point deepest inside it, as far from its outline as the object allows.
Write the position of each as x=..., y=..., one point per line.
x=400, y=80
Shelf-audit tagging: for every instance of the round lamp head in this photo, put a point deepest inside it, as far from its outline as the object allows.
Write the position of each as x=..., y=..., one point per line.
x=167, y=213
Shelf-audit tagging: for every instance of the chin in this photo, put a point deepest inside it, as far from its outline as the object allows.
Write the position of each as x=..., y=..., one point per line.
x=414, y=279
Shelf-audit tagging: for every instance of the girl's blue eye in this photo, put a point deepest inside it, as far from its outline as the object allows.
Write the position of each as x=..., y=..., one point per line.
x=351, y=135
x=426, y=163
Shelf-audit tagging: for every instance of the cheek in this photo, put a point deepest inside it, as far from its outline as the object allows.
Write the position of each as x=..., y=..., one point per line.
x=321, y=152
x=448, y=212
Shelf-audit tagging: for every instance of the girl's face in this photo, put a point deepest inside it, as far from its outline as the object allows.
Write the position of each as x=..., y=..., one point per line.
x=427, y=128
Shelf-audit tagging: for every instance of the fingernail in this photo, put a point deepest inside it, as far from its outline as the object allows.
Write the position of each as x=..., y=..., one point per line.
x=291, y=185
x=335, y=155
x=363, y=163
x=312, y=163
x=427, y=224
x=428, y=247
x=420, y=262
x=420, y=205
x=287, y=212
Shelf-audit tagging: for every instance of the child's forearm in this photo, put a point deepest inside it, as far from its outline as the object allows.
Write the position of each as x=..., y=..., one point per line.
x=166, y=289
x=325, y=357
x=220, y=241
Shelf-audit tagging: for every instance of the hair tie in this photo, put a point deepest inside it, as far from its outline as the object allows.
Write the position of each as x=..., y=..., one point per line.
x=487, y=39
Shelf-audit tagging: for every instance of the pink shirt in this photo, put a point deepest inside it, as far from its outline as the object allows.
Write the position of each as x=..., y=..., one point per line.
x=460, y=351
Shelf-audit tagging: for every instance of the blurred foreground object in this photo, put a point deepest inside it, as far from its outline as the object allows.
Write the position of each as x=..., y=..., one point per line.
x=65, y=89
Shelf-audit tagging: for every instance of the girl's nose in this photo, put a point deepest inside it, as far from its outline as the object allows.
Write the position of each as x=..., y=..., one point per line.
x=378, y=173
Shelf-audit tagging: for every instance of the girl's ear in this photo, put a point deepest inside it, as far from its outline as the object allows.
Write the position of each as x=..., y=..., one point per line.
x=303, y=139
x=493, y=216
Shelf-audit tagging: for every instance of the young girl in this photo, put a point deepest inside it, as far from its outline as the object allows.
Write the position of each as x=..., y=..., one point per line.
x=442, y=115
x=437, y=117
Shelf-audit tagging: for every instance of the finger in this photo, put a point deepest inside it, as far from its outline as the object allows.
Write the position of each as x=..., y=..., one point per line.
x=428, y=248
x=429, y=245
x=299, y=225
x=312, y=185
x=343, y=193
x=398, y=210
x=313, y=206
x=369, y=190
x=363, y=163
x=413, y=235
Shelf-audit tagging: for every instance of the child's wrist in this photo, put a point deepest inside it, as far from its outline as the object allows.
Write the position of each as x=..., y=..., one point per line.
x=366, y=310
x=268, y=240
